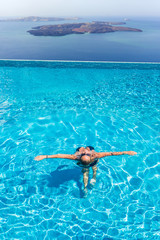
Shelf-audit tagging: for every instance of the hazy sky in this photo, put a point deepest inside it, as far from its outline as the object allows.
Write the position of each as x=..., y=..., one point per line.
x=79, y=8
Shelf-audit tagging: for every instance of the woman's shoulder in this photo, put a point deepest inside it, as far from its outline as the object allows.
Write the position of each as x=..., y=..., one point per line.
x=94, y=154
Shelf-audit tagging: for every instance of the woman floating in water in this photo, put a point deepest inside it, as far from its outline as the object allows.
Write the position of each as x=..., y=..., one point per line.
x=87, y=158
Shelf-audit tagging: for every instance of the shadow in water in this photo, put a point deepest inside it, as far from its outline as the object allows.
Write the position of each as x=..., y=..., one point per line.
x=60, y=175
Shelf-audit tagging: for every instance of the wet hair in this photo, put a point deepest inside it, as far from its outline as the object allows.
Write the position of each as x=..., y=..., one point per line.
x=85, y=159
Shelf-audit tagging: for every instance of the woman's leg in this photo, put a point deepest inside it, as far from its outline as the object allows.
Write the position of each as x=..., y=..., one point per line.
x=93, y=180
x=85, y=172
x=80, y=149
x=90, y=148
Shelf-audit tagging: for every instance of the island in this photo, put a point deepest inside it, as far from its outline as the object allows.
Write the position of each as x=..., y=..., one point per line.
x=36, y=19
x=80, y=28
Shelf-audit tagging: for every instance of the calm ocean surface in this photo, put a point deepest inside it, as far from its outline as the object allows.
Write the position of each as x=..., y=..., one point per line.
x=16, y=43
x=55, y=107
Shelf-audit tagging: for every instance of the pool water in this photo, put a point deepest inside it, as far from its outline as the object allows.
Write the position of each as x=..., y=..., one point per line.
x=55, y=107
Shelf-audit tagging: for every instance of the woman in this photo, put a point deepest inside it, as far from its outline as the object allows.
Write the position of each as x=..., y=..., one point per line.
x=86, y=158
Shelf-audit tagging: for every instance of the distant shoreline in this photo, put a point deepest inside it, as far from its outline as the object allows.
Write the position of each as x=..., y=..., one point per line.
x=37, y=19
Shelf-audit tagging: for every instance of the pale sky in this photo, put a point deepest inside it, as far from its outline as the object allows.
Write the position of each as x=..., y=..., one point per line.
x=79, y=8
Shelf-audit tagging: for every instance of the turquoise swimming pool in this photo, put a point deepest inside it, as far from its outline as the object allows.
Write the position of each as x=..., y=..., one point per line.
x=55, y=107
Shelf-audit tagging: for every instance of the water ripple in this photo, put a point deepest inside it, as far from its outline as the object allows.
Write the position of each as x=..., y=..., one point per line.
x=112, y=109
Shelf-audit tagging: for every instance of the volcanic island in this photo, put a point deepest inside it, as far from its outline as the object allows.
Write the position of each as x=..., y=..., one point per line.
x=80, y=28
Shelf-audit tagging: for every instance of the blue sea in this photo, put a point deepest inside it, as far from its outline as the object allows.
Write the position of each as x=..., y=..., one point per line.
x=55, y=107
x=144, y=46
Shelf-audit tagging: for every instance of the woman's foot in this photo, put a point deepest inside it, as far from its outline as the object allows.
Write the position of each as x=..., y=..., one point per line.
x=92, y=182
x=85, y=192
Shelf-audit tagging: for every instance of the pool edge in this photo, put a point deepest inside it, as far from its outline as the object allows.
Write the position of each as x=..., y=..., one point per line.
x=76, y=61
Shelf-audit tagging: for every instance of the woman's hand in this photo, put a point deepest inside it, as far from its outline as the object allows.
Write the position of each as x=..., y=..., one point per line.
x=131, y=153
x=40, y=157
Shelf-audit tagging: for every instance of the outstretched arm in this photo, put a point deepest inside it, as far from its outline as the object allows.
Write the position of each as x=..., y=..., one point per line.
x=67, y=156
x=106, y=154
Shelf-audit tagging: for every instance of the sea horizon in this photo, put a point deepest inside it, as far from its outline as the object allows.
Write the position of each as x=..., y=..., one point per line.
x=17, y=44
